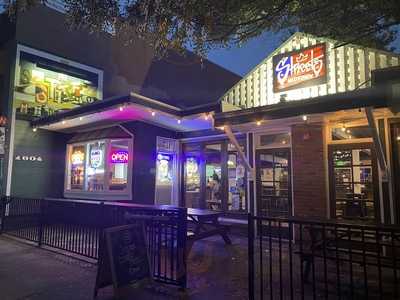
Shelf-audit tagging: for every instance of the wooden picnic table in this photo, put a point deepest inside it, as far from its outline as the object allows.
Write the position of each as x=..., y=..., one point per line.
x=205, y=223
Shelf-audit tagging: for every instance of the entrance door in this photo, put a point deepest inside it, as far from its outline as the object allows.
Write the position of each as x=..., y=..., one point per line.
x=273, y=183
x=353, y=178
x=395, y=143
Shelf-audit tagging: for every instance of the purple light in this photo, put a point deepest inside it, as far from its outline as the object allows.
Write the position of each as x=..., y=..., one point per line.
x=119, y=157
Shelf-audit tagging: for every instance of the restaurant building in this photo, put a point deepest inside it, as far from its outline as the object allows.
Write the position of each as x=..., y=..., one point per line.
x=311, y=131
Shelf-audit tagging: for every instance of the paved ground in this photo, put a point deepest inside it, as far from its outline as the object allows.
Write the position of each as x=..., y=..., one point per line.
x=215, y=271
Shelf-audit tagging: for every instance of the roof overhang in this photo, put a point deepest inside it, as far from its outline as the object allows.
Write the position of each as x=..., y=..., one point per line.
x=127, y=108
x=376, y=97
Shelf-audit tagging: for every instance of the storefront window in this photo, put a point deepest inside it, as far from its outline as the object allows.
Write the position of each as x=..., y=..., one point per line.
x=353, y=183
x=236, y=180
x=212, y=155
x=88, y=164
x=76, y=168
x=215, y=176
x=118, y=162
x=95, y=167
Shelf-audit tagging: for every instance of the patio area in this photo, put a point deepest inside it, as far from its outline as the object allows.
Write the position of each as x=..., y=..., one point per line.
x=215, y=271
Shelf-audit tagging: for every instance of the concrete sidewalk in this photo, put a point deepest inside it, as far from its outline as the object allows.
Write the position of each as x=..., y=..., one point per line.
x=215, y=271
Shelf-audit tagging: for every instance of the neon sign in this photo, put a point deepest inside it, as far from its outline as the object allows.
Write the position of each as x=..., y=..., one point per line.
x=119, y=157
x=299, y=69
x=77, y=157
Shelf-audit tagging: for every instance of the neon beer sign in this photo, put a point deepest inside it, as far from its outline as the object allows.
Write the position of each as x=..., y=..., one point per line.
x=119, y=157
x=299, y=69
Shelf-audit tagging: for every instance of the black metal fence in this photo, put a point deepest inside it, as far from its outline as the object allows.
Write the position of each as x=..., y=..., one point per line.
x=76, y=226
x=322, y=260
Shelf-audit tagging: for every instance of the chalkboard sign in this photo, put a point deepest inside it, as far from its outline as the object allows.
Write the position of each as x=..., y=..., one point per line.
x=124, y=256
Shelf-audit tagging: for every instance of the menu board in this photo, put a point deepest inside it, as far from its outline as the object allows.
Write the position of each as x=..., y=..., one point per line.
x=124, y=257
x=45, y=84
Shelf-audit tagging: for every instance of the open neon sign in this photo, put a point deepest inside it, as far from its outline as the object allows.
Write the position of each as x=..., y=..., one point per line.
x=119, y=157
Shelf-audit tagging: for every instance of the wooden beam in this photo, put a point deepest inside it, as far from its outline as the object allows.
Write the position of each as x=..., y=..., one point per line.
x=235, y=142
x=377, y=143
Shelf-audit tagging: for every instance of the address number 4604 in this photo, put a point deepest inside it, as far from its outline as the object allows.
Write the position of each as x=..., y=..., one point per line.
x=29, y=158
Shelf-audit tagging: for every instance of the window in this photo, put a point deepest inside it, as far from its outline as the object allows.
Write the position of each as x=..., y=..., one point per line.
x=118, y=161
x=275, y=140
x=351, y=133
x=215, y=176
x=353, y=177
x=99, y=167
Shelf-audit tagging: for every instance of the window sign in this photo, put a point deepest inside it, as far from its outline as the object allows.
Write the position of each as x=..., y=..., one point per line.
x=96, y=158
x=299, y=69
x=119, y=156
x=77, y=157
x=46, y=84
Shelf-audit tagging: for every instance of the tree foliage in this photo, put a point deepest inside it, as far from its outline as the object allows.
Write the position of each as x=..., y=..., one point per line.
x=204, y=24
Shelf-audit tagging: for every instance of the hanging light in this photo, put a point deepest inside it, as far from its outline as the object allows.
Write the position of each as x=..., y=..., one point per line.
x=63, y=122
x=179, y=121
x=153, y=113
x=398, y=138
x=305, y=118
x=343, y=127
x=80, y=118
x=34, y=129
x=121, y=108
x=258, y=123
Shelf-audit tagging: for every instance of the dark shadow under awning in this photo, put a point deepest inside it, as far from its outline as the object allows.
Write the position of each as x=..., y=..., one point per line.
x=376, y=97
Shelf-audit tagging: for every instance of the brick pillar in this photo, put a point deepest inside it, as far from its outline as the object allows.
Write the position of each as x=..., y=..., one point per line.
x=308, y=167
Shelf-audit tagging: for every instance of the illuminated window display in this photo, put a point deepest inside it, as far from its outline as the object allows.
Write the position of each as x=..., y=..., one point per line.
x=215, y=176
x=118, y=161
x=99, y=167
x=44, y=85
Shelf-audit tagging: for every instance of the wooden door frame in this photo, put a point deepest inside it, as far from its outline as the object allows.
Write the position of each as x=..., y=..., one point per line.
x=375, y=176
x=258, y=177
x=395, y=187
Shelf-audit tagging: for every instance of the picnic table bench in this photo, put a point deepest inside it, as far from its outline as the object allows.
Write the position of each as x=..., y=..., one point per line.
x=204, y=223
x=358, y=246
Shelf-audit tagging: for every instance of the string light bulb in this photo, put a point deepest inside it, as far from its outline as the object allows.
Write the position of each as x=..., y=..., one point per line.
x=121, y=108
x=63, y=122
x=80, y=118
x=206, y=117
x=179, y=121
x=258, y=123
x=305, y=118
x=398, y=138
x=343, y=127
x=153, y=113
x=34, y=129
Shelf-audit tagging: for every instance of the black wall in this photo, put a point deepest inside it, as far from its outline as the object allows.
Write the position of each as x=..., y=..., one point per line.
x=35, y=178
x=144, y=159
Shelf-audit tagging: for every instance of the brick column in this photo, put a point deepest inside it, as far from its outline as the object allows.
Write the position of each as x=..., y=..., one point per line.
x=308, y=167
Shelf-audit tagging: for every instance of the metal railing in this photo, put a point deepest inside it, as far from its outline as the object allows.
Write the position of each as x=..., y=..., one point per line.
x=76, y=226
x=302, y=259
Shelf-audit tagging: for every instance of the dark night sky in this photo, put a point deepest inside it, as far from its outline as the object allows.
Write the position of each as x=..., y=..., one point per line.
x=242, y=59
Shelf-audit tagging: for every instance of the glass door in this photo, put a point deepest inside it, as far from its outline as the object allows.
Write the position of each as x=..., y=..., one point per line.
x=353, y=188
x=273, y=182
x=214, y=176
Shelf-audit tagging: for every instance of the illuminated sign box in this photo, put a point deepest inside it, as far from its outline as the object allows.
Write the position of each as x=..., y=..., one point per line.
x=301, y=68
x=46, y=84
